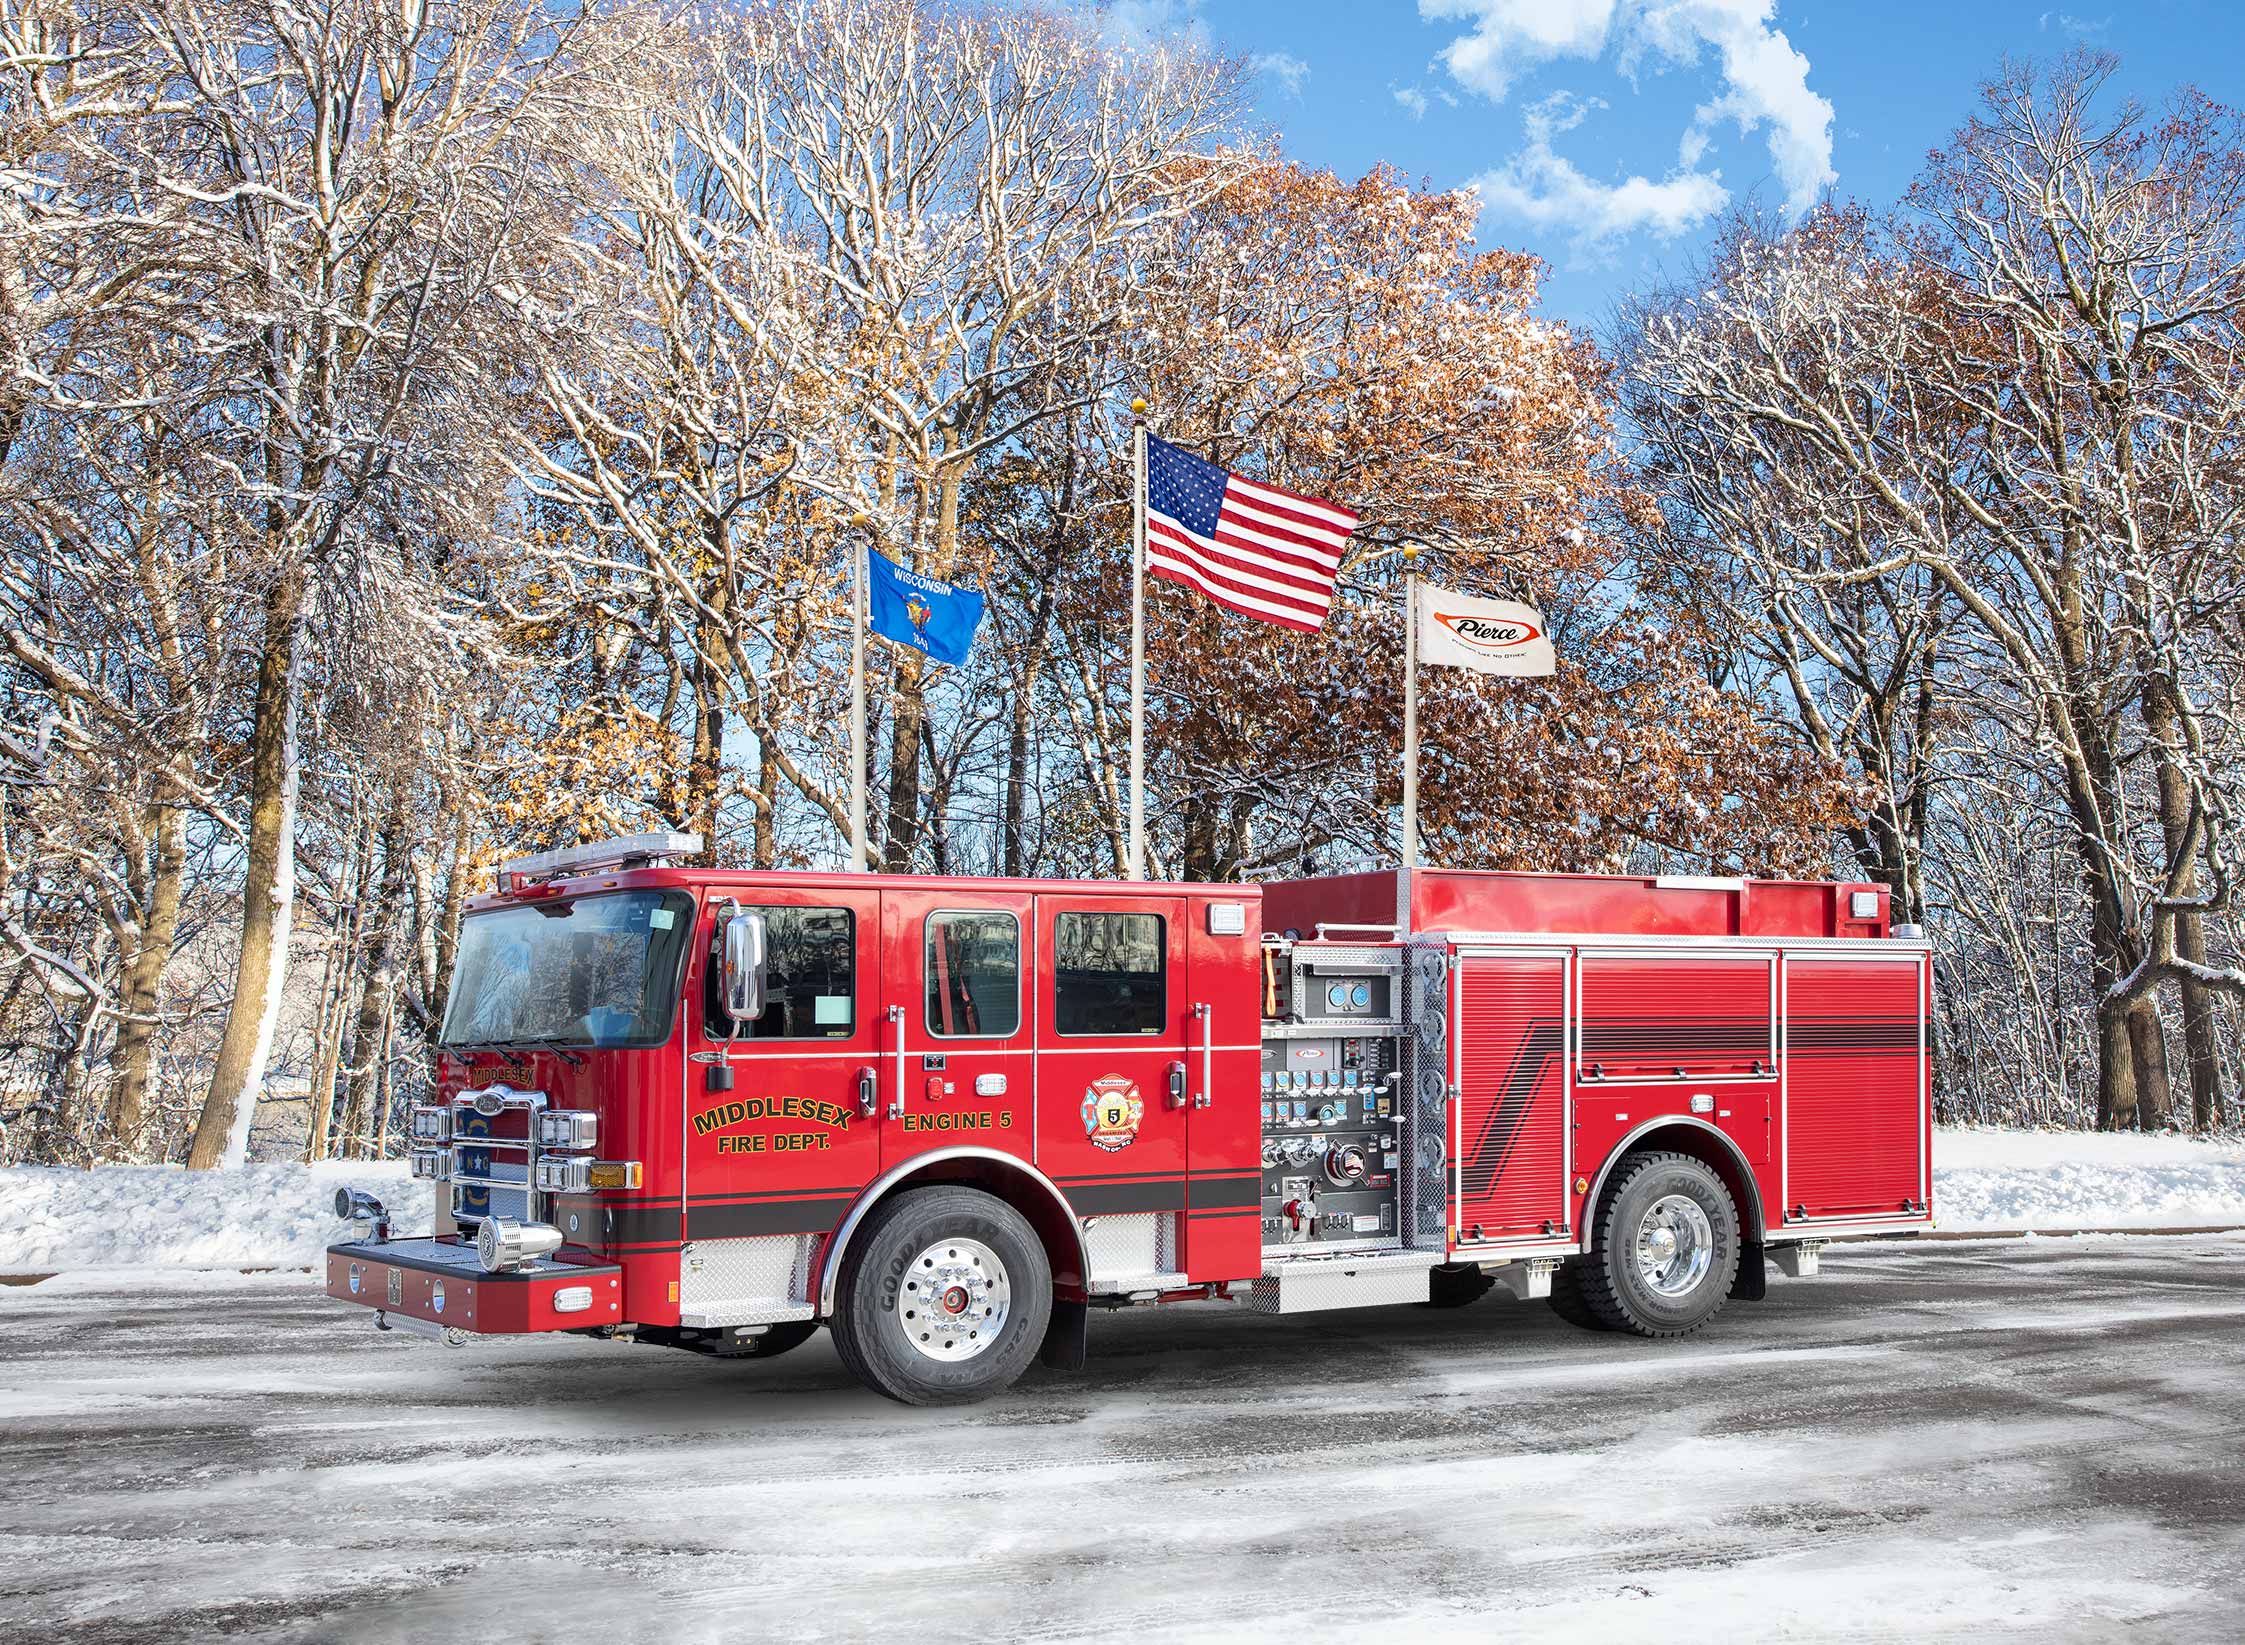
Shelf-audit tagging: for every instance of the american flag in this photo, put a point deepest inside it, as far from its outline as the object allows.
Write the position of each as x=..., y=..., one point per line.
x=1249, y=547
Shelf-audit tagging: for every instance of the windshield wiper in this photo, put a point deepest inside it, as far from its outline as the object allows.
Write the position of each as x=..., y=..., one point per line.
x=558, y=1047
x=469, y=1047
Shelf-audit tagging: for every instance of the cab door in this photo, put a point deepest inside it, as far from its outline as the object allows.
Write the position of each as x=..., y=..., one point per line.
x=959, y=1069
x=776, y=1137
x=1114, y=1034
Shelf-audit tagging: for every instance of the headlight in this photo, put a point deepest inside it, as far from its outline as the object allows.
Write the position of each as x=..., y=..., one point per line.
x=569, y=1128
x=432, y=1125
x=431, y=1164
x=564, y=1176
x=502, y=1243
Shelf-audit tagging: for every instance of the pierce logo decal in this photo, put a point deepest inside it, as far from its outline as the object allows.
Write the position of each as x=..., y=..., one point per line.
x=1484, y=635
x=1112, y=1110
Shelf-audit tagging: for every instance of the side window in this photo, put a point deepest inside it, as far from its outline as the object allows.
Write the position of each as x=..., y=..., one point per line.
x=810, y=978
x=1109, y=974
x=973, y=975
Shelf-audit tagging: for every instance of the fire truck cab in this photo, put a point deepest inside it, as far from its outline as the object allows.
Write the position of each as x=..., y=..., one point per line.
x=946, y=1117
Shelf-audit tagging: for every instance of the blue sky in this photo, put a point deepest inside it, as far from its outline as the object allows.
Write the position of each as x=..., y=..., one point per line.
x=1604, y=133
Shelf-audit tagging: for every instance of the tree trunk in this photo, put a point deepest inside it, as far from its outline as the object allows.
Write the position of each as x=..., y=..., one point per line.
x=705, y=770
x=369, y=1037
x=268, y=887
x=2147, y=1044
x=134, y=1055
x=2116, y=1079
x=2201, y=1042
x=448, y=921
x=337, y=978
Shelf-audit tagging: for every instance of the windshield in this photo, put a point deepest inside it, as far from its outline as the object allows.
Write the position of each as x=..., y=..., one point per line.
x=589, y=971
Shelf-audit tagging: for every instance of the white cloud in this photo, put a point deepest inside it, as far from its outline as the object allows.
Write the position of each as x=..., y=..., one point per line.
x=1413, y=100
x=1284, y=67
x=1764, y=79
x=2074, y=28
x=1541, y=187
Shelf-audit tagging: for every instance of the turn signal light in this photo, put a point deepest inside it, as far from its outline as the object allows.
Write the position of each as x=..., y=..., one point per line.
x=579, y=1176
x=429, y=1164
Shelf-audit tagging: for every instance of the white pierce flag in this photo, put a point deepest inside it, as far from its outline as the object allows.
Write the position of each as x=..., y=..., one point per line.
x=1488, y=636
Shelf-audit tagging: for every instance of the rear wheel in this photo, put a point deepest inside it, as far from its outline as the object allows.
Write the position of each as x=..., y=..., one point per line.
x=1455, y=1284
x=1664, y=1248
x=944, y=1299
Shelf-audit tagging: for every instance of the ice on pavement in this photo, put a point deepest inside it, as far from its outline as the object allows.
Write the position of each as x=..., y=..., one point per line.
x=278, y=1216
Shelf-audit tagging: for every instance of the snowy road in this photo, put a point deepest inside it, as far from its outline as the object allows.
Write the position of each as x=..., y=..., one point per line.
x=2035, y=1440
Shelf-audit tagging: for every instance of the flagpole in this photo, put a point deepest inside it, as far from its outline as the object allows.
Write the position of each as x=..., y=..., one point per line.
x=1136, y=867
x=1410, y=705
x=859, y=537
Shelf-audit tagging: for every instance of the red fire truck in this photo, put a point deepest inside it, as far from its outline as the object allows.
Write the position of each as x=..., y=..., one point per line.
x=946, y=1117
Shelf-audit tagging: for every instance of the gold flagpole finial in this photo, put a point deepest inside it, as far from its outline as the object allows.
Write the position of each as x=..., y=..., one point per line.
x=1138, y=408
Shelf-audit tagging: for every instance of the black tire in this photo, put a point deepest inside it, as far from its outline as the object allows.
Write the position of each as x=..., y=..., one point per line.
x=1455, y=1284
x=874, y=1306
x=777, y=1340
x=1615, y=1288
x=1566, y=1298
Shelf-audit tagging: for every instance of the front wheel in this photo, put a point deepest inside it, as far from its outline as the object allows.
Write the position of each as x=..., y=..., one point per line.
x=1664, y=1248
x=944, y=1299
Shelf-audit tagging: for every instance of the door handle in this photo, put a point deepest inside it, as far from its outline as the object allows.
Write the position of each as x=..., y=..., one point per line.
x=1207, y=1021
x=1176, y=1085
x=896, y=1018
x=868, y=1091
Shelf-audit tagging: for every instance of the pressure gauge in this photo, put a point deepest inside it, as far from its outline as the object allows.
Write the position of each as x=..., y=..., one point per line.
x=1360, y=996
x=1337, y=996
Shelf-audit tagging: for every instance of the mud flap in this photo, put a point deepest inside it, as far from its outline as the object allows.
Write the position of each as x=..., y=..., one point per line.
x=1752, y=1283
x=1067, y=1341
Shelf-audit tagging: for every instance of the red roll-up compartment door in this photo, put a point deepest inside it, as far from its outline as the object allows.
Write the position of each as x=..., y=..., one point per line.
x=1512, y=1122
x=1676, y=1017
x=1854, y=1086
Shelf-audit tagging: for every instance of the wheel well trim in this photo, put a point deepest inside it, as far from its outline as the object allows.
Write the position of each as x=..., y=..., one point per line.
x=1750, y=1214
x=838, y=1244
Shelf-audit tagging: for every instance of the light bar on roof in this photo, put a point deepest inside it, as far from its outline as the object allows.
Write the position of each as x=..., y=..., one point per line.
x=626, y=851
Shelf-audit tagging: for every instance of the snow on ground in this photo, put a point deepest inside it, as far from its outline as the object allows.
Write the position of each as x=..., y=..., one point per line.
x=137, y=1216
x=278, y=1216
x=2085, y=1179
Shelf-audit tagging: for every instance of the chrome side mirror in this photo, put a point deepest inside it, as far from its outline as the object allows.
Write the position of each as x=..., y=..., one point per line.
x=741, y=971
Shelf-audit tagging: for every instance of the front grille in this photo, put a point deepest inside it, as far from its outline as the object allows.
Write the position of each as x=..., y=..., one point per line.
x=491, y=1159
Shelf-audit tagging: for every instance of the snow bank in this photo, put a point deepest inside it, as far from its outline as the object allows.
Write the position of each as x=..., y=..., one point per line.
x=133, y=1216
x=2083, y=1179
x=278, y=1216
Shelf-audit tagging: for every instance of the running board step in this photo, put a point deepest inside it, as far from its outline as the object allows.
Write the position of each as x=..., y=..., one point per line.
x=1123, y=1285
x=709, y=1316
x=1305, y=1285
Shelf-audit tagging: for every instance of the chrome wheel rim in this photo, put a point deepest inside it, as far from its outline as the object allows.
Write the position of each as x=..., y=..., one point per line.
x=953, y=1300
x=1675, y=1245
